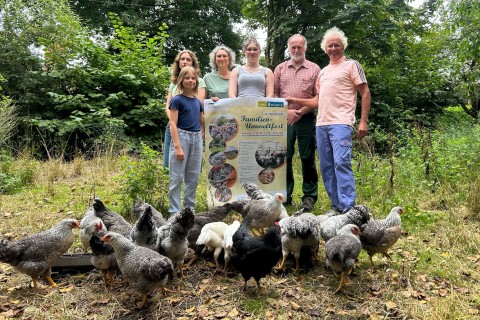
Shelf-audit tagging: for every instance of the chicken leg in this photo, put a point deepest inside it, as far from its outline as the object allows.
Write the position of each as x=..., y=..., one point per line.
x=342, y=283
x=50, y=280
x=282, y=265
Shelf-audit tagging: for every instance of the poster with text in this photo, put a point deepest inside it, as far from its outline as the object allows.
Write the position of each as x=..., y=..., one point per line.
x=245, y=141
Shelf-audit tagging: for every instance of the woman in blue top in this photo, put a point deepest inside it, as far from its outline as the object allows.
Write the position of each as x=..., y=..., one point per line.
x=187, y=128
x=185, y=58
x=251, y=79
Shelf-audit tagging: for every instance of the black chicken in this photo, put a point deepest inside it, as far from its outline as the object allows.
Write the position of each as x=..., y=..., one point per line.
x=112, y=220
x=139, y=208
x=103, y=258
x=254, y=257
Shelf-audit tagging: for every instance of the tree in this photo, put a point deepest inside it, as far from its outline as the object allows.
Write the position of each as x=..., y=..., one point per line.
x=461, y=22
x=196, y=25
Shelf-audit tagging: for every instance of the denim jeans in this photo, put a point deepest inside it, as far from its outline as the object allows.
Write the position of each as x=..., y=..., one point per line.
x=304, y=133
x=187, y=170
x=166, y=145
x=334, y=145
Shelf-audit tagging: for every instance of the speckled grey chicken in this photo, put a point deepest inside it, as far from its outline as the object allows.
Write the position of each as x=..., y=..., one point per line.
x=358, y=215
x=144, y=269
x=145, y=233
x=260, y=213
x=34, y=255
x=202, y=218
x=342, y=251
x=139, y=208
x=112, y=220
x=255, y=193
x=299, y=230
x=87, y=227
x=172, y=237
x=103, y=257
x=380, y=235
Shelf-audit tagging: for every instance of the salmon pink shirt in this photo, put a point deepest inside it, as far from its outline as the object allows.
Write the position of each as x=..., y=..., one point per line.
x=337, y=98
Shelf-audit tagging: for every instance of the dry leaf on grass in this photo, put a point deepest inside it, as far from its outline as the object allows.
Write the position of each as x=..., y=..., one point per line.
x=233, y=313
x=295, y=306
x=390, y=305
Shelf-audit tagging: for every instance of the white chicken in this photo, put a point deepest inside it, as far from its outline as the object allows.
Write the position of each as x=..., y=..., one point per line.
x=211, y=236
x=227, y=242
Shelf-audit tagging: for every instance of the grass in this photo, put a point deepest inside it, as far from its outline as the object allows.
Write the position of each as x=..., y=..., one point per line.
x=434, y=274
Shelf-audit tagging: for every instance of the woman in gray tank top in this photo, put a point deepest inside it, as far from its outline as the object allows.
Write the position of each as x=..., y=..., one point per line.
x=251, y=79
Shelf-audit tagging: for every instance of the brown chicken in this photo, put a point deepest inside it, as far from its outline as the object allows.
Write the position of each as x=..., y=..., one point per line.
x=34, y=255
x=380, y=235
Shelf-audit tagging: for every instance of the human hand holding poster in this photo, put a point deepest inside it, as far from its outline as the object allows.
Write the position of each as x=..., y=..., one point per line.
x=246, y=141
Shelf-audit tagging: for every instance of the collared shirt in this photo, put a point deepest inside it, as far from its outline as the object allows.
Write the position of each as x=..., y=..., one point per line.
x=337, y=98
x=296, y=82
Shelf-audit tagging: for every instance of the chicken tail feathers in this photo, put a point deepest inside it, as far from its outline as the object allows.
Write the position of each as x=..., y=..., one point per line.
x=98, y=205
x=8, y=254
x=182, y=224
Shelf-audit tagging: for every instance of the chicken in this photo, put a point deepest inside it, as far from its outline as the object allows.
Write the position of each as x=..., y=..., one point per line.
x=140, y=206
x=254, y=257
x=212, y=237
x=202, y=218
x=144, y=269
x=342, y=251
x=358, y=215
x=255, y=193
x=103, y=258
x=260, y=213
x=172, y=237
x=113, y=221
x=87, y=226
x=144, y=233
x=227, y=242
x=299, y=230
x=34, y=255
x=380, y=235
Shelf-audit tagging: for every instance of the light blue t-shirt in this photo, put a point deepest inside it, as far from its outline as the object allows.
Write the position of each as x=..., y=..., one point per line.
x=251, y=84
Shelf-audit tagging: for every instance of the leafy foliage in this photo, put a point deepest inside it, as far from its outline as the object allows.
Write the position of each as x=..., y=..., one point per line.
x=144, y=178
x=196, y=25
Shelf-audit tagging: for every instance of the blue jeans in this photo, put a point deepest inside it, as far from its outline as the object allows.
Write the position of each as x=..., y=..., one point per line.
x=334, y=145
x=187, y=170
x=166, y=145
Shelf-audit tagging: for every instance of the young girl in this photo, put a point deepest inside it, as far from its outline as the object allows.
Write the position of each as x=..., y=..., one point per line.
x=186, y=128
x=184, y=58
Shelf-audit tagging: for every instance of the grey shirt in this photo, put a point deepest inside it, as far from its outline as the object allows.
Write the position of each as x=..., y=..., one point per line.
x=251, y=84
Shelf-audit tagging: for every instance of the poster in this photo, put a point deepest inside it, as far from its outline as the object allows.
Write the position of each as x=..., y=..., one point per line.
x=245, y=141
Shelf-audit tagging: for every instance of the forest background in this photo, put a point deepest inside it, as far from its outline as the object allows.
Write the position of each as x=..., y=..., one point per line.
x=83, y=87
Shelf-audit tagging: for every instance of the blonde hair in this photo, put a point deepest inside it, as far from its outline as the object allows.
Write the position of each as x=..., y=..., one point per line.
x=176, y=65
x=181, y=76
x=251, y=40
x=334, y=32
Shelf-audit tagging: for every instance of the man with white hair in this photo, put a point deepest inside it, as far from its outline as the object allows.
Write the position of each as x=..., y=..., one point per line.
x=338, y=84
x=296, y=78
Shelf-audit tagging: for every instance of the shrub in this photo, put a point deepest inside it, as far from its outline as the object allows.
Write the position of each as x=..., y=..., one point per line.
x=145, y=178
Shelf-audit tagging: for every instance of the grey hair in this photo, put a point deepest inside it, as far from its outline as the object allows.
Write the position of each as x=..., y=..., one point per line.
x=334, y=32
x=229, y=52
x=298, y=35
x=250, y=40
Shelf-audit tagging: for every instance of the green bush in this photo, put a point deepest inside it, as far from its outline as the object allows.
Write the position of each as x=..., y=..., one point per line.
x=13, y=173
x=145, y=178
